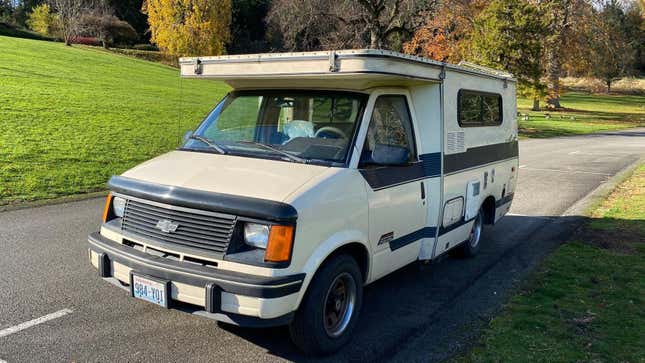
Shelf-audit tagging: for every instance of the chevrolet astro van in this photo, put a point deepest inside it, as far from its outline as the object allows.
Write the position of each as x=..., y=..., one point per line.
x=318, y=174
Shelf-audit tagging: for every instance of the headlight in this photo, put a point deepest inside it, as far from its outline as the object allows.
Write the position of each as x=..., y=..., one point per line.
x=118, y=206
x=256, y=235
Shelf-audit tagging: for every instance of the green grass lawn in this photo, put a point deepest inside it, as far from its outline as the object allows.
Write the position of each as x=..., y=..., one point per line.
x=72, y=116
x=587, y=301
x=584, y=113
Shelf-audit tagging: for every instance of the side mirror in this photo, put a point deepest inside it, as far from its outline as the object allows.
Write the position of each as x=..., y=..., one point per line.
x=390, y=155
x=186, y=136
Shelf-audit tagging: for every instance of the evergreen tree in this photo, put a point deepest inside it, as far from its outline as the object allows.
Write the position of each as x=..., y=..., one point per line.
x=508, y=34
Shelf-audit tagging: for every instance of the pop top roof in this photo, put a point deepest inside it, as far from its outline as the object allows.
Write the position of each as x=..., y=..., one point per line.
x=365, y=66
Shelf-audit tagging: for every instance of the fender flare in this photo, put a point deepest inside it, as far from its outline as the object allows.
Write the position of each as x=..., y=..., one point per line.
x=326, y=249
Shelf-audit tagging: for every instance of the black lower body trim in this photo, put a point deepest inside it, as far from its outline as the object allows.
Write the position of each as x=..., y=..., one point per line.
x=506, y=199
x=196, y=275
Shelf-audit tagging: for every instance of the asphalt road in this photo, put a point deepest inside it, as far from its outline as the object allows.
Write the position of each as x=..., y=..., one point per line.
x=422, y=312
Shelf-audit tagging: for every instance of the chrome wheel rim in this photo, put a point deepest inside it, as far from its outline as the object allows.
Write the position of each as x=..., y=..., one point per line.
x=475, y=232
x=340, y=303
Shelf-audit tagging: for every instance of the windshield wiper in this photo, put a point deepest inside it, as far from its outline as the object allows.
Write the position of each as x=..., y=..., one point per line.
x=275, y=150
x=208, y=142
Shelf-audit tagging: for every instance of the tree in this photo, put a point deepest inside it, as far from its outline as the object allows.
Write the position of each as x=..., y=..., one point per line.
x=42, y=20
x=106, y=27
x=508, y=34
x=189, y=27
x=21, y=10
x=69, y=13
x=613, y=54
x=130, y=11
x=560, y=17
x=6, y=11
x=248, y=27
x=635, y=30
x=316, y=24
x=444, y=37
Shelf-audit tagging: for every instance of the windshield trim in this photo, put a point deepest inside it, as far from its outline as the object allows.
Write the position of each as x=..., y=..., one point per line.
x=361, y=96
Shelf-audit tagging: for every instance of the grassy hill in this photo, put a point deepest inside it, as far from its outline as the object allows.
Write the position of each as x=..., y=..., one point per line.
x=71, y=116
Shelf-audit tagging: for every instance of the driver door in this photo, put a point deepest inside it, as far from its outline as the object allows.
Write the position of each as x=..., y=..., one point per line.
x=396, y=193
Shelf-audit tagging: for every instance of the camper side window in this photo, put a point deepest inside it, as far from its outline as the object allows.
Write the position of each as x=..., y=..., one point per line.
x=479, y=109
x=390, y=125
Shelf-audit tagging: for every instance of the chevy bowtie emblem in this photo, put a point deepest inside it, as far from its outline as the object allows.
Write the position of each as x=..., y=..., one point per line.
x=166, y=226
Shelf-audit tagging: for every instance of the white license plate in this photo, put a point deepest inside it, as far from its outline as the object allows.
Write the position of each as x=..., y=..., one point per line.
x=149, y=289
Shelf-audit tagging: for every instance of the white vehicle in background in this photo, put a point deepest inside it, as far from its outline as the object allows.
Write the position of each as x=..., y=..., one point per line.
x=318, y=174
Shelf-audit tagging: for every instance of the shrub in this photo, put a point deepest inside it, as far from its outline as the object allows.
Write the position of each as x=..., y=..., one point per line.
x=85, y=41
x=150, y=47
x=152, y=56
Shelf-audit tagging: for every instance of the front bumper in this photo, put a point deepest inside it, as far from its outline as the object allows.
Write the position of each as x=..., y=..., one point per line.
x=227, y=296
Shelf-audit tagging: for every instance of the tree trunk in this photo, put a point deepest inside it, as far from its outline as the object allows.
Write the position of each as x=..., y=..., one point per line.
x=105, y=44
x=374, y=39
x=536, y=104
x=553, y=76
x=608, y=86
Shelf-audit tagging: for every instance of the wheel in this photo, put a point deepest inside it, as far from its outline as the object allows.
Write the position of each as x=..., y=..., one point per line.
x=329, y=311
x=471, y=246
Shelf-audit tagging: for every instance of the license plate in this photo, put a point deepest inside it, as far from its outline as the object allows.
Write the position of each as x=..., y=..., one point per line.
x=150, y=289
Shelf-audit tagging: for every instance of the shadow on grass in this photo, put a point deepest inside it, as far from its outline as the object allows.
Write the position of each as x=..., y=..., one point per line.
x=428, y=301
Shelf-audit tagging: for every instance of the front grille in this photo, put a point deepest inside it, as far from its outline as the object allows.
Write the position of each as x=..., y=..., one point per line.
x=200, y=229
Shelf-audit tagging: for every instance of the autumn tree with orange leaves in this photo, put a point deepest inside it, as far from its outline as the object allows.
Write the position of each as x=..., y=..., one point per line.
x=444, y=36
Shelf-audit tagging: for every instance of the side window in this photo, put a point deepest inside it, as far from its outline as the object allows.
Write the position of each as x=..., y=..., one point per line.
x=390, y=125
x=479, y=109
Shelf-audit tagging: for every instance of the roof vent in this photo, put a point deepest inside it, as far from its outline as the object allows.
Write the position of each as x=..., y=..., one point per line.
x=199, y=67
x=333, y=65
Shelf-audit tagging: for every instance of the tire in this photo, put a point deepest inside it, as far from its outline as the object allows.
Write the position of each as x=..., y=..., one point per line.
x=470, y=247
x=313, y=329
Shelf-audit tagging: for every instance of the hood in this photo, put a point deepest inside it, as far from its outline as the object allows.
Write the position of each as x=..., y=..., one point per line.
x=235, y=175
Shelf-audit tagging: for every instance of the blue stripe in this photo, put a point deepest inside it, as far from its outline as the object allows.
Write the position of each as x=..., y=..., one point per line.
x=428, y=166
x=425, y=232
x=431, y=164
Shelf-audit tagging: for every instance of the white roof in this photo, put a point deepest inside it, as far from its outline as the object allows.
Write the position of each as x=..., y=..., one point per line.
x=360, y=68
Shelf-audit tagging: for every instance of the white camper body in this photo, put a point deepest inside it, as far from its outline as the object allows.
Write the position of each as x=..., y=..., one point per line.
x=414, y=158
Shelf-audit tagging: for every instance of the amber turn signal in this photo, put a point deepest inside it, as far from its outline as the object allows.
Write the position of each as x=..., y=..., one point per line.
x=279, y=245
x=106, y=209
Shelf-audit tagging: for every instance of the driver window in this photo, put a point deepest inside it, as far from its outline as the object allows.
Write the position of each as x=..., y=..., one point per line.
x=390, y=125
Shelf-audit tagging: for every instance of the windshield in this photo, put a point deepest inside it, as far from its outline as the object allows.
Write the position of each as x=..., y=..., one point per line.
x=299, y=126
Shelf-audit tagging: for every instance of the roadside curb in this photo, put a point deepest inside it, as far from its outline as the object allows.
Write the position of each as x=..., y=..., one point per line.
x=584, y=206
x=53, y=201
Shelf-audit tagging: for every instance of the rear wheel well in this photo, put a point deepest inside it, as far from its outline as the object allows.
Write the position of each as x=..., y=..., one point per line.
x=488, y=209
x=358, y=252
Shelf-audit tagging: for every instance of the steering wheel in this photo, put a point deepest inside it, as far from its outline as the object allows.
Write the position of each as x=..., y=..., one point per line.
x=333, y=130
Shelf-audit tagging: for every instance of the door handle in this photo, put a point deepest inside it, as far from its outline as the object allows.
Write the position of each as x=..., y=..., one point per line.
x=423, y=191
